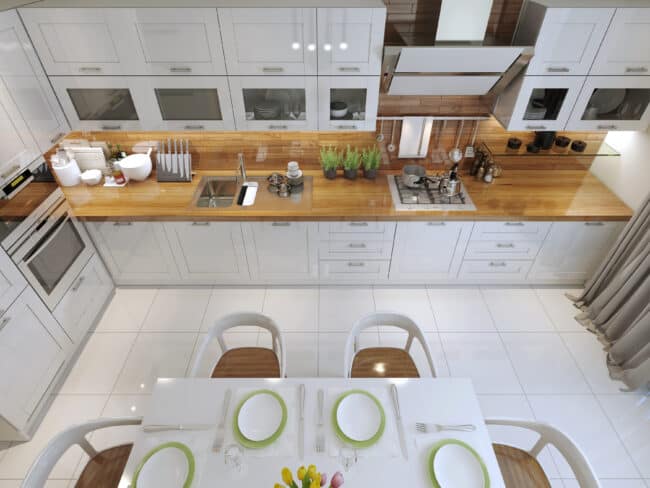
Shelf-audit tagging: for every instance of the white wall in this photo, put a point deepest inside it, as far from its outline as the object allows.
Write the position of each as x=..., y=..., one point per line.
x=628, y=176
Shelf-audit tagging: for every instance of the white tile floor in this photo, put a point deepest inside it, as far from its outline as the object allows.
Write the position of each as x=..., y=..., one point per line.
x=527, y=356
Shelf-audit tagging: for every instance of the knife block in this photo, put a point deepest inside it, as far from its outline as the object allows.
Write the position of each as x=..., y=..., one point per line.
x=174, y=166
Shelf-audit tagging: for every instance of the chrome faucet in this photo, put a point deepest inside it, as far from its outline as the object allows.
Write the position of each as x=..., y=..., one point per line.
x=242, y=167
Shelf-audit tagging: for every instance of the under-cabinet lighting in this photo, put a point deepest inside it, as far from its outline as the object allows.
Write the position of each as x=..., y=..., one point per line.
x=327, y=47
x=311, y=47
x=295, y=46
x=343, y=46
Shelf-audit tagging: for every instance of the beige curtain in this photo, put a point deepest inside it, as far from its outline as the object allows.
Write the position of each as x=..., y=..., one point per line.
x=616, y=302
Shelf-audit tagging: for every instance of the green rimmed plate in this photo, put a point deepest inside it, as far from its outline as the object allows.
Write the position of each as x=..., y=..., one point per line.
x=436, y=447
x=356, y=443
x=158, y=467
x=253, y=444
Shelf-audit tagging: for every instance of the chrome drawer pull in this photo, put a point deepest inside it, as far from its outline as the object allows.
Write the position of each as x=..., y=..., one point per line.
x=357, y=245
x=505, y=246
x=281, y=224
x=111, y=127
x=180, y=69
x=57, y=137
x=272, y=69
x=436, y=224
x=536, y=127
x=90, y=69
x=636, y=69
x=606, y=127
x=357, y=264
x=348, y=127
x=594, y=224
x=350, y=69
x=558, y=69
x=514, y=224
x=278, y=127
x=201, y=224
x=122, y=224
x=358, y=224
x=194, y=127
x=4, y=321
x=498, y=265
x=78, y=284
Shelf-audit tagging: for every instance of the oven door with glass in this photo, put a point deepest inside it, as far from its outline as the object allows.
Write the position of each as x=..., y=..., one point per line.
x=54, y=255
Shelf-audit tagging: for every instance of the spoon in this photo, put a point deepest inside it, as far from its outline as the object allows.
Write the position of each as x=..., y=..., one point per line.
x=380, y=136
x=456, y=154
x=391, y=146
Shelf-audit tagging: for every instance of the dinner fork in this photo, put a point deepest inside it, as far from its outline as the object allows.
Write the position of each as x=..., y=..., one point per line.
x=425, y=428
x=320, y=437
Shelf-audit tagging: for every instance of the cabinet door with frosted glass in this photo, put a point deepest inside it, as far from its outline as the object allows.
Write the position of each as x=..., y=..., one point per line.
x=274, y=102
x=347, y=102
x=612, y=103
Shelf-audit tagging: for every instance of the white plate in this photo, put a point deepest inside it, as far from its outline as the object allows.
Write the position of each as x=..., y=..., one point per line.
x=457, y=467
x=606, y=100
x=358, y=417
x=260, y=417
x=168, y=468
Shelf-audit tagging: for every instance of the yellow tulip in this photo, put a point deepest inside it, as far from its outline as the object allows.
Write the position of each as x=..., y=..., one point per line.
x=315, y=484
x=278, y=485
x=287, y=477
x=311, y=471
x=301, y=472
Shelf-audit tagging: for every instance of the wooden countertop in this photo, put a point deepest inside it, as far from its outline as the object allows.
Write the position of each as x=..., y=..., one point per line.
x=561, y=194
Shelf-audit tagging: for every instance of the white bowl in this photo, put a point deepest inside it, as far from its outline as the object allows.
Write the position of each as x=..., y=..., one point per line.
x=91, y=177
x=136, y=167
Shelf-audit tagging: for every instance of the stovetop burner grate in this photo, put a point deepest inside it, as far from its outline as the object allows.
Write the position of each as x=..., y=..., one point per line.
x=426, y=196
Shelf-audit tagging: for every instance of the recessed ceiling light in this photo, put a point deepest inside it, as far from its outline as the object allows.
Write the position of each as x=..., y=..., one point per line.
x=311, y=47
x=327, y=47
x=295, y=46
x=343, y=46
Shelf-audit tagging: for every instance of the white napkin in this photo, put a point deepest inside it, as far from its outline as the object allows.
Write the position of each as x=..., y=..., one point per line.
x=286, y=444
x=387, y=446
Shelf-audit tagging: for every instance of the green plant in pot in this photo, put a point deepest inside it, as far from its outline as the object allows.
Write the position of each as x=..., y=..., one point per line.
x=351, y=163
x=370, y=160
x=330, y=160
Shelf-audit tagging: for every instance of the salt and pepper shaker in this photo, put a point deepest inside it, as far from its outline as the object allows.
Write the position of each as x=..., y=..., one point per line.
x=488, y=177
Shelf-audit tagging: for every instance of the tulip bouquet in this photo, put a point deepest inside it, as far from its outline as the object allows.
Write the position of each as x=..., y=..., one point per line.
x=309, y=478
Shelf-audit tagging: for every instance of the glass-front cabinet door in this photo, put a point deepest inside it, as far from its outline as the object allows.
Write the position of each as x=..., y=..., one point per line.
x=538, y=102
x=348, y=102
x=187, y=103
x=100, y=102
x=274, y=102
x=612, y=103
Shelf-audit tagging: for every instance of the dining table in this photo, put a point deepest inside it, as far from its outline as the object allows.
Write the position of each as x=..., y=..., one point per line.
x=401, y=458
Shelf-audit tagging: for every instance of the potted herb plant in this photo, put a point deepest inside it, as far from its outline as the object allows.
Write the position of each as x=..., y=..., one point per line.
x=351, y=163
x=370, y=159
x=329, y=161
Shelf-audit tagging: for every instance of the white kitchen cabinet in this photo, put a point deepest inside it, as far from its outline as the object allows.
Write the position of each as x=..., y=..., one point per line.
x=612, y=103
x=565, y=39
x=511, y=230
x=282, y=252
x=33, y=351
x=540, y=103
x=573, y=250
x=102, y=102
x=269, y=41
x=494, y=271
x=274, y=102
x=82, y=41
x=357, y=96
x=360, y=271
x=30, y=90
x=136, y=253
x=350, y=41
x=624, y=50
x=208, y=252
x=428, y=252
x=186, y=103
x=84, y=300
x=12, y=282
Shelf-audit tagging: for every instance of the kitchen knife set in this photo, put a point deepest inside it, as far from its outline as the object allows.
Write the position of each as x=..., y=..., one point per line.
x=174, y=160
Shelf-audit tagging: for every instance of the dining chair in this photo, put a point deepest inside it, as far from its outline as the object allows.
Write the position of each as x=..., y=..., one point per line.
x=384, y=362
x=244, y=362
x=104, y=469
x=520, y=468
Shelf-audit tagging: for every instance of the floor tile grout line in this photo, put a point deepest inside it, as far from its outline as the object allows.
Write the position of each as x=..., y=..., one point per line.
x=435, y=321
x=189, y=364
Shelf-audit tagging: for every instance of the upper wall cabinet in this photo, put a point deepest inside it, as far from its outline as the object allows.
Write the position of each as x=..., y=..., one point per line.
x=348, y=102
x=350, y=40
x=269, y=41
x=119, y=41
x=626, y=48
x=566, y=39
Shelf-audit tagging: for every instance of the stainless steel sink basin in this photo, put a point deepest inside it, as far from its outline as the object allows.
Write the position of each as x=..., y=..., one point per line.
x=216, y=191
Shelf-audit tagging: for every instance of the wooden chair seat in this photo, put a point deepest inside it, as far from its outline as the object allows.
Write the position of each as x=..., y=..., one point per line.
x=383, y=362
x=105, y=469
x=520, y=469
x=247, y=362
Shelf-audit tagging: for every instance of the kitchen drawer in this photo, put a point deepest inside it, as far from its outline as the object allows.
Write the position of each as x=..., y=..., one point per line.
x=370, y=230
x=502, y=249
x=510, y=231
x=355, y=249
x=496, y=270
x=358, y=270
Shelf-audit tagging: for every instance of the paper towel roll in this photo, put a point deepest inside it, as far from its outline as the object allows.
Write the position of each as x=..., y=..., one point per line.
x=69, y=174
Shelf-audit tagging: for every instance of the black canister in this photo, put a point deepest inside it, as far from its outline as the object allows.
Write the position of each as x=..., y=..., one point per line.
x=544, y=139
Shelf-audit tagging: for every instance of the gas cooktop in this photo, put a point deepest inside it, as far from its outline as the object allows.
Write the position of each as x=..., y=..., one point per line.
x=426, y=196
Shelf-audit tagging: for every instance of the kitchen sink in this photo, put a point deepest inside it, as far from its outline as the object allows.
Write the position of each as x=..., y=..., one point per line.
x=216, y=191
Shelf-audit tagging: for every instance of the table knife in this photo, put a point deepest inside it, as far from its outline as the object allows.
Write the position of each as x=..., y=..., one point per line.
x=164, y=427
x=400, y=424
x=301, y=422
x=220, y=437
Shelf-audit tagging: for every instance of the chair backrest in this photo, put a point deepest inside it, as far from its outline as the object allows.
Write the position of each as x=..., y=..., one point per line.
x=549, y=435
x=391, y=319
x=47, y=459
x=236, y=320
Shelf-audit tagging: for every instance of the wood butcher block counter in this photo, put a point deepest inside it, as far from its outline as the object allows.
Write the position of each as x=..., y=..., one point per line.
x=558, y=195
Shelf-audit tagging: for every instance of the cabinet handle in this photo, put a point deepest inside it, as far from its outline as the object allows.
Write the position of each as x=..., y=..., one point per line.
x=594, y=224
x=359, y=245
x=281, y=224
x=201, y=224
x=500, y=264
x=194, y=127
x=358, y=224
x=122, y=224
x=90, y=69
x=180, y=69
x=436, y=224
x=356, y=264
x=347, y=127
x=636, y=69
x=535, y=127
x=57, y=137
x=558, y=69
x=111, y=127
x=514, y=224
x=606, y=127
x=510, y=245
x=350, y=69
x=272, y=69
x=4, y=321
x=78, y=284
